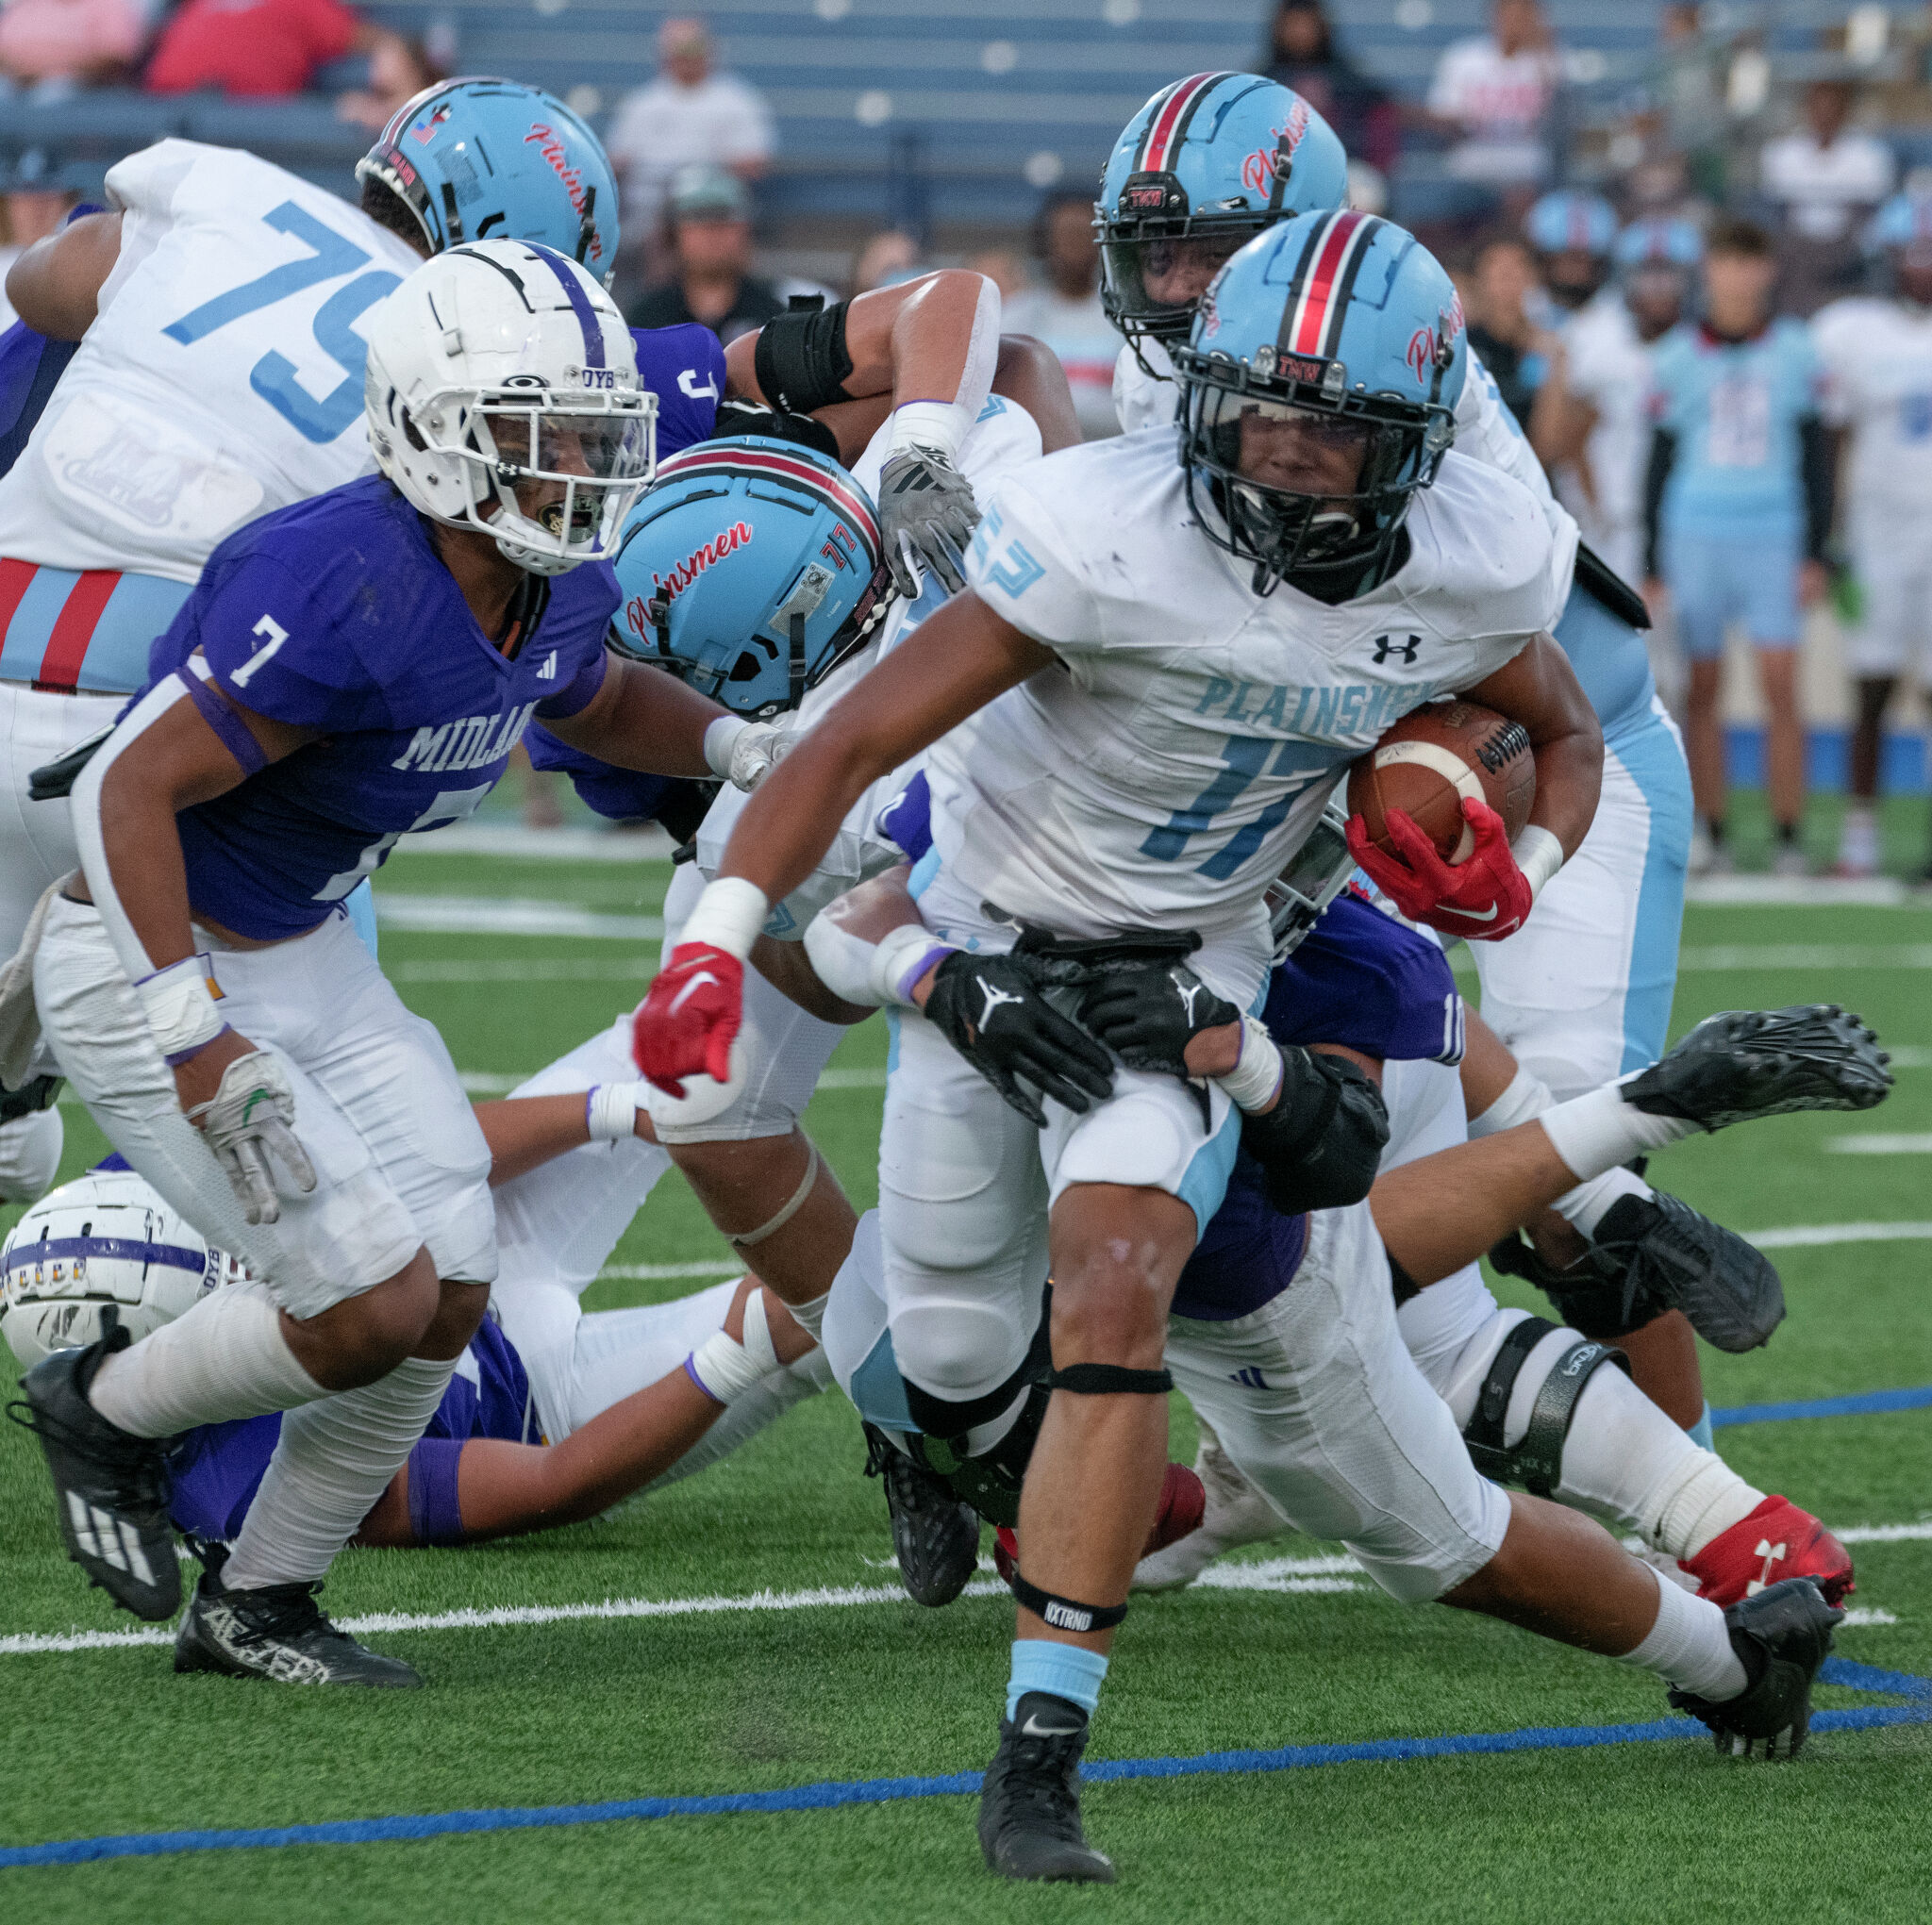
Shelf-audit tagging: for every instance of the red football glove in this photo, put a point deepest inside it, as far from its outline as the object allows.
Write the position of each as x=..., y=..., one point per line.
x=1481, y=900
x=687, y=1023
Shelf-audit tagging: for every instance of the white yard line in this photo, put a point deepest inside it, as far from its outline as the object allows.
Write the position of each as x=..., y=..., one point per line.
x=509, y=916
x=1878, y=1143
x=665, y=1272
x=1807, y=1236
x=1884, y=1533
x=511, y=841
x=639, y=968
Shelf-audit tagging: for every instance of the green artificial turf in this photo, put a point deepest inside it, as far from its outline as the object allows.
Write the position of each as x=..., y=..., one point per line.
x=586, y=1710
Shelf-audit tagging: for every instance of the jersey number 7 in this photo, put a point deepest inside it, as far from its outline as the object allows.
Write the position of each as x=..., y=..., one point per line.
x=273, y=378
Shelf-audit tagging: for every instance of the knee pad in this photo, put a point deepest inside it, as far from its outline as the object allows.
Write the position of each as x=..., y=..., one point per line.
x=1536, y=1460
x=944, y=1419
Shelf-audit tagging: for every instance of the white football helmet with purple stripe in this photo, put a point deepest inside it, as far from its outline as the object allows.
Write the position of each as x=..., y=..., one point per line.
x=502, y=395
x=103, y=1240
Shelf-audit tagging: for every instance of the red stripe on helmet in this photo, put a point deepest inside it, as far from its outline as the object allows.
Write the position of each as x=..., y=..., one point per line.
x=837, y=494
x=1160, y=135
x=1329, y=249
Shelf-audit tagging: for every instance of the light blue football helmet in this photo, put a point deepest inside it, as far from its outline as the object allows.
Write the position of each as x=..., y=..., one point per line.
x=1663, y=241
x=483, y=160
x=1203, y=166
x=1571, y=223
x=1904, y=221
x=1343, y=328
x=751, y=568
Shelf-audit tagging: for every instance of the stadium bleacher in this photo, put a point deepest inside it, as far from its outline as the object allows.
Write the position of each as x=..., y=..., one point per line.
x=959, y=112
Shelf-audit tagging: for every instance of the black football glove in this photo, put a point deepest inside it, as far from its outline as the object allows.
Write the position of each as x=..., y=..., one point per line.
x=991, y=1009
x=1148, y=1015
x=926, y=515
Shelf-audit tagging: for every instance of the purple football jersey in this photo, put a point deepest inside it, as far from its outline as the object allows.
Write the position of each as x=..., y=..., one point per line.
x=337, y=615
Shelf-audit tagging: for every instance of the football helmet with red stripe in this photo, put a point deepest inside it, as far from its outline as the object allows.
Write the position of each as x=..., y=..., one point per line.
x=1206, y=165
x=1319, y=389
x=751, y=568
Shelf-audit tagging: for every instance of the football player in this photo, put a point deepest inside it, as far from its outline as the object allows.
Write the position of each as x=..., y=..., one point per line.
x=1132, y=721
x=1584, y=991
x=347, y=670
x=1877, y=356
x=192, y=357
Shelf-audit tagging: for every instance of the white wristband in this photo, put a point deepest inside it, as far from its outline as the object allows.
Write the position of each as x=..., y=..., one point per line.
x=935, y=425
x=719, y=738
x=722, y=1367
x=901, y=958
x=179, y=1004
x=1255, y=1079
x=1538, y=855
x=611, y=1109
x=729, y=915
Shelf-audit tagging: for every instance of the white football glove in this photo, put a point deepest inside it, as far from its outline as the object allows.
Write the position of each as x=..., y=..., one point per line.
x=758, y=748
x=249, y=1116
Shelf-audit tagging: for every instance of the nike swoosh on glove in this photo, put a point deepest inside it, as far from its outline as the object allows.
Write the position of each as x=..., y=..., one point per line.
x=687, y=1022
x=927, y=514
x=1481, y=900
x=248, y=1118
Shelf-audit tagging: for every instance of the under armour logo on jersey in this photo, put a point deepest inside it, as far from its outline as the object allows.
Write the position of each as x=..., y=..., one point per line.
x=1772, y=1554
x=994, y=997
x=102, y=1535
x=1388, y=647
x=549, y=671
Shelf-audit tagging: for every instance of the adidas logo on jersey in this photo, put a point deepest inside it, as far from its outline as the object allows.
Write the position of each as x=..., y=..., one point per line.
x=474, y=742
x=549, y=671
x=101, y=1534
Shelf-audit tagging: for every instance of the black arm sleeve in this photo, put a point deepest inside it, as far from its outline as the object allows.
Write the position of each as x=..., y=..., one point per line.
x=800, y=358
x=1320, y=1145
x=1818, y=447
x=1663, y=453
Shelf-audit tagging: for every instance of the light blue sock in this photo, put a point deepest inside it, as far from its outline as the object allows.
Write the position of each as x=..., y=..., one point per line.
x=1700, y=1433
x=1067, y=1670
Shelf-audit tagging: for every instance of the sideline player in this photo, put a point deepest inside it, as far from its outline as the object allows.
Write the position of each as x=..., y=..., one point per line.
x=219, y=307
x=1178, y=727
x=304, y=715
x=1877, y=356
x=1738, y=509
x=1584, y=991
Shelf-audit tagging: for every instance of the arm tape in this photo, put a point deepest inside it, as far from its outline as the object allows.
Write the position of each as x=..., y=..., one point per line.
x=1321, y=1145
x=800, y=359
x=1063, y=1614
x=1111, y=1380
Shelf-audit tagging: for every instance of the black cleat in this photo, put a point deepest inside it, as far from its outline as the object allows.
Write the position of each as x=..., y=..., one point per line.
x=1658, y=1248
x=1749, y=1063
x=1781, y=1636
x=111, y=1489
x=935, y=1535
x=279, y=1632
x=1029, y=1805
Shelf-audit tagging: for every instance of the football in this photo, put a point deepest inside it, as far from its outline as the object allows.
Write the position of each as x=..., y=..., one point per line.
x=1434, y=757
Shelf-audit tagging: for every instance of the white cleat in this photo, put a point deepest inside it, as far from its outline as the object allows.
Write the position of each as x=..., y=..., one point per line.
x=1237, y=1514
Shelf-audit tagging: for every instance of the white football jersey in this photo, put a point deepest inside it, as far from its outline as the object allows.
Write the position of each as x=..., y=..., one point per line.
x=1609, y=368
x=1187, y=736
x=222, y=378
x=1149, y=396
x=1878, y=383
x=1004, y=438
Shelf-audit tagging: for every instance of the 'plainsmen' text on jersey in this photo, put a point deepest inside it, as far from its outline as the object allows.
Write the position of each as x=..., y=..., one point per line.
x=1188, y=736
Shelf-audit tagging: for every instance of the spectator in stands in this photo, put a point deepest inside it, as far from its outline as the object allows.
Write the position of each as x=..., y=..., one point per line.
x=1301, y=53
x=1493, y=94
x=53, y=44
x=261, y=49
x=1826, y=179
x=1738, y=509
x=1066, y=313
x=689, y=116
x=885, y=260
x=710, y=238
x=1497, y=297
x=399, y=69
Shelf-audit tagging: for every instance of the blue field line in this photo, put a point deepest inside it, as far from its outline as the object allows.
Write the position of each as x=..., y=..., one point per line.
x=1865, y=1404
x=827, y=1796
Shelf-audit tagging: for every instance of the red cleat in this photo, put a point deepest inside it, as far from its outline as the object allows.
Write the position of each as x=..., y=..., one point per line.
x=1183, y=1500
x=1776, y=1541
